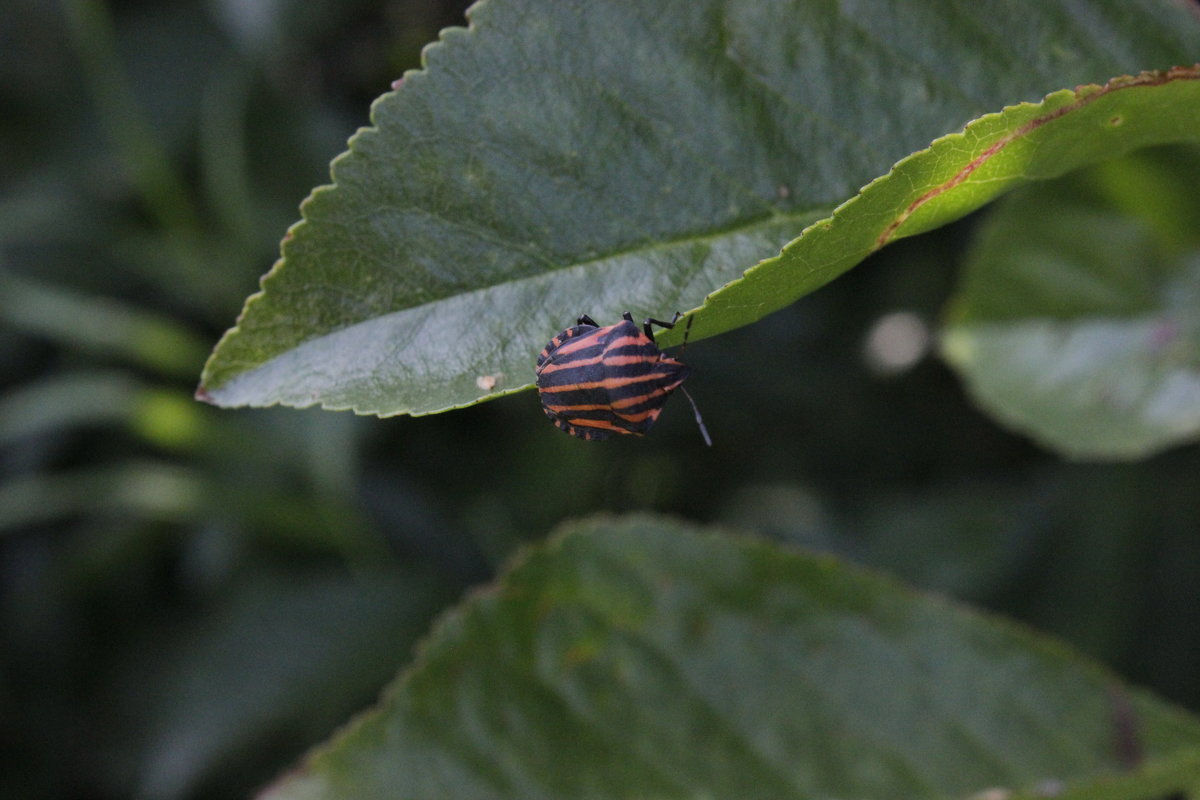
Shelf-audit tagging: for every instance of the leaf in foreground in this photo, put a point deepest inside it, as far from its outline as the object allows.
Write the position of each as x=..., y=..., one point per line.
x=562, y=158
x=643, y=658
x=1078, y=320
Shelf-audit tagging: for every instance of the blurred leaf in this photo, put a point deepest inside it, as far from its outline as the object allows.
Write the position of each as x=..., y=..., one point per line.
x=165, y=492
x=1079, y=323
x=223, y=152
x=1159, y=780
x=133, y=135
x=146, y=489
x=66, y=399
x=169, y=419
x=100, y=325
x=642, y=658
x=280, y=659
x=517, y=182
x=47, y=206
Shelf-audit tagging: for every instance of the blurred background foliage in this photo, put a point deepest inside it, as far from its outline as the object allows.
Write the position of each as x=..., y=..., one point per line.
x=190, y=597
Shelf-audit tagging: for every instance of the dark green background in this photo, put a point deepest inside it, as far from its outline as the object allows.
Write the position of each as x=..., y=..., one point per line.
x=190, y=597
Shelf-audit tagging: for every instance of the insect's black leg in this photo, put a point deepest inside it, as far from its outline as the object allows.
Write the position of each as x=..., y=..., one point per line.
x=584, y=319
x=627, y=317
x=652, y=321
x=687, y=330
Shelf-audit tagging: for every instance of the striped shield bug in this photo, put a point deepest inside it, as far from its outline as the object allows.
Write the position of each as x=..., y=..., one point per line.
x=594, y=382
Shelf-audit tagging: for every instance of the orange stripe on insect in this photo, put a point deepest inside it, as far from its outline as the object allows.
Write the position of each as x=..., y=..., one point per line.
x=627, y=402
x=650, y=413
x=603, y=358
x=557, y=409
x=609, y=383
x=602, y=424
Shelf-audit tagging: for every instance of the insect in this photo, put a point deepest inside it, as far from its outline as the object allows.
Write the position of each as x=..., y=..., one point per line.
x=594, y=381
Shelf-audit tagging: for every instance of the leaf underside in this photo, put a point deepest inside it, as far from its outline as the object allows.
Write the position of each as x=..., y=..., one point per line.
x=579, y=157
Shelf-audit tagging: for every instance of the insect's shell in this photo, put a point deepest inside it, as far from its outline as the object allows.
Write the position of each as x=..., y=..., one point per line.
x=595, y=382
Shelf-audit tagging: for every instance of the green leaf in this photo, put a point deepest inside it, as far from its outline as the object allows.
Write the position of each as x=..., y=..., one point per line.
x=1078, y=319
x=1173, y=777
x=643, y=658
x=962, y=172
x=559, y=158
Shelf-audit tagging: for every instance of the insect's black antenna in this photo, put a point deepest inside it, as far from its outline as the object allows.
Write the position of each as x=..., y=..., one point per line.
x=700, y=422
